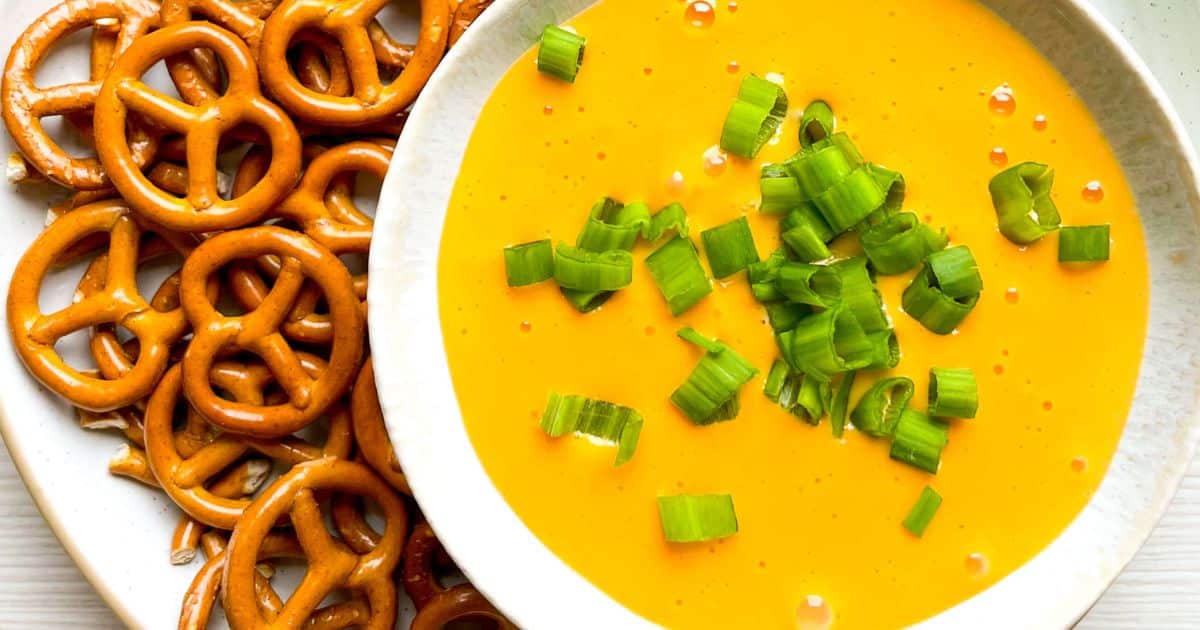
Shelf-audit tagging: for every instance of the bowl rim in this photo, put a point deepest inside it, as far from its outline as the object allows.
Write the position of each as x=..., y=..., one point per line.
x=398, y=255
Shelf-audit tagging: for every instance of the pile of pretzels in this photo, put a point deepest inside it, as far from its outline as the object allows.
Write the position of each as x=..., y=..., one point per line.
x=243, y=385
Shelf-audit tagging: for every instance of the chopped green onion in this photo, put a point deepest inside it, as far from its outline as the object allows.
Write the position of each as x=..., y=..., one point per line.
x=728, y=411
x=592, y=271
x=776, y=378
x=808, y=215
x=803, y=283
x=860, y=295
x=1021, y=196
x=841, y=400
x=936, y=311
x=880, y=407
x=679, y=275
x=900, y=242
x=730, y=247
x=785, y=315
x=714, y=383
x=762, y=276
x=851, y=200
x=529, y=263
x=885, y=349
x=612, y=225
x=586, y=301
x=918, y=440
x=754, y=117
x=671, y=218
x=956, y=272
x=806, y=244
x=825, y=344
x=809, y=404
x=780, y=191
x=922, y=511
x=600, y=419
x=690, y=518
x=560, y=53
x=1083, y=243
x=821, y=168
x=892, y=183
x=953, y=393
x=816, y=124
x=628, y=441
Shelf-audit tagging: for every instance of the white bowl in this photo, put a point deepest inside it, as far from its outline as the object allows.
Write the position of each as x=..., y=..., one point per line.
x=536, y=589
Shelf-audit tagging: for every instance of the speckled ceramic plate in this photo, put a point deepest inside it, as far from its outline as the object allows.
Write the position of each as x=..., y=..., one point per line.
x=1052, y=590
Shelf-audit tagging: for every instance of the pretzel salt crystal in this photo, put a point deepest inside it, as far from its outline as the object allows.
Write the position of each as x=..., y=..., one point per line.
x=348, y=21
x=258, y=331
x=25, y=104
x=203, y=125
x=331, y=565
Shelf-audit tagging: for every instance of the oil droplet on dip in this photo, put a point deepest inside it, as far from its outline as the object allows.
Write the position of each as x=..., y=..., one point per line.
x=699, y=13
x=814, y=613
x=1012, y=295
x=526, y=326
x=676, y=184
x=998, y=156
x=1079, y=464
x=1093, y=192
x=714, y=161
x=1002, y=101
x=732, y=67
x=547, y=110
x=977, y=564
x=1039, y=122
x=732, y=6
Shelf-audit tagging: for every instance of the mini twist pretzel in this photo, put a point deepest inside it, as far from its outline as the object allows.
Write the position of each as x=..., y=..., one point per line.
x=370, y=433
x=348, y=21
x=25, y=104
x=464, y=16
x=119, y=301
x=202, y=125
x=331, y=564
x=459, y=603
x=184, y=475
x=258, y=331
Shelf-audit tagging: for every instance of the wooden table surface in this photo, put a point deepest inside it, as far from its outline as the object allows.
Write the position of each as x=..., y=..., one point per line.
x=41, y=588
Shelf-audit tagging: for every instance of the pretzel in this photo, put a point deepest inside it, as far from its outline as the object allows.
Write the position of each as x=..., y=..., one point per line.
x=202, y=593
x=130, y=461
x=258, y=330
x=25, y=104
x=202, y=125
x=119, y=301
x=370, y=433
x=183, y=474
x=348, y=20
x=331, y=565
x=244, y=480
x=466, y=13
x=459, y=603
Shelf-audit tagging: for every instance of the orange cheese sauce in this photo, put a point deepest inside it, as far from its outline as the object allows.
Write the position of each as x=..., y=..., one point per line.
x=911, y=81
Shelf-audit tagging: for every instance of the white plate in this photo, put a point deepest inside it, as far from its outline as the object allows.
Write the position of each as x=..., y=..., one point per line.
x=1052, y=590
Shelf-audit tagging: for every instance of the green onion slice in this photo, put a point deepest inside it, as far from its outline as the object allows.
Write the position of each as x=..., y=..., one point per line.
x=754, y=117
x=583, y=270
x=825, y=344
x=807, y=215
x=806, y=244
x=560, y=53
x=603, y=420
x=880, y=407
x=671, y=218
x=892, y=183
x=776, y=378
x=851, y=200
x=884, y=351
x=922, y=511
x=919, y=440
x=936, y=311
x=860, y=296
x=762, y=276
x=953, y=393
x=780, y=191
x=841, y=401
x=690, y=518
x=785, y=315
x=956, y=272
x=821, y=168
x=1021, y=196
x=816, y=124
x=586, y=301
x=714, y=383
x=679, y=275
x=529, y=263
x=900, y=242
x=803, y=283
x=612, y=225
x=1082, y=243
x=730, y=247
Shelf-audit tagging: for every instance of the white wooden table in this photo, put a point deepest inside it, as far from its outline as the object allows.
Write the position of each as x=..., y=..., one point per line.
x=41, y=588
